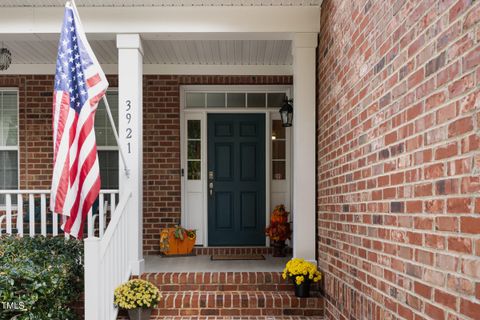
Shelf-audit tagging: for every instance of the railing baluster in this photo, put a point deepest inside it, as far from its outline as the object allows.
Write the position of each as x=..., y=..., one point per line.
x=89, y=223
x=8, y=202
x=55, y=224
x=64, y=219
x=113, y=204
x=20, y=214
x=101, y=216
x=31, y=214
x=43, y=214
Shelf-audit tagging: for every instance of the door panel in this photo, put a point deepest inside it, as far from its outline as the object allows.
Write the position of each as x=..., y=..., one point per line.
x=236, y=198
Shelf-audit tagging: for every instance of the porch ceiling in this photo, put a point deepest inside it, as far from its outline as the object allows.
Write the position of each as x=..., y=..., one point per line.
x=169, y=3
x=183, y=52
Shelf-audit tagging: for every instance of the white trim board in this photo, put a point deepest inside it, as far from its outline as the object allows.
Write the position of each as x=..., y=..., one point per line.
x=229, y=19
x=168, y=69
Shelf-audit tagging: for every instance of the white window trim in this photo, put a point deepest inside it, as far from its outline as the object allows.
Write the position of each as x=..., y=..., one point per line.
x=201, y=114
x=17, y=147
x=109, y=148
x=112, y=148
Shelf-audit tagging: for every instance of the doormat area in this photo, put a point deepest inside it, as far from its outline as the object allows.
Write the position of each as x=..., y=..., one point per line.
x=219, y=257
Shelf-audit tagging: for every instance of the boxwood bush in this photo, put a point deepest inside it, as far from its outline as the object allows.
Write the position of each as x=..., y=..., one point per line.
x=40, y=278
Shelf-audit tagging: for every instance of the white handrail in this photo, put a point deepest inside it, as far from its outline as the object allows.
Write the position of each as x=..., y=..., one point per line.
x=107, y=264
x=46, y=191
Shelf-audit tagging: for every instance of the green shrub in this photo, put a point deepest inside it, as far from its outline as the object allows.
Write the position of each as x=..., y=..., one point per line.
x=40, y=277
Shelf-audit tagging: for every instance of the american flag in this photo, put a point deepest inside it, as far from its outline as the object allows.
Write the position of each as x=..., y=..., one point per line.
x=79, y=85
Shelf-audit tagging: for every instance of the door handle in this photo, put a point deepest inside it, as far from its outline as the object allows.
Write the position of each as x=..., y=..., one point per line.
x=210, y=183
x=210, y=188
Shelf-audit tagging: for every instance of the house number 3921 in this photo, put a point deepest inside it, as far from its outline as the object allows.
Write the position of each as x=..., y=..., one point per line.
x=128, y=116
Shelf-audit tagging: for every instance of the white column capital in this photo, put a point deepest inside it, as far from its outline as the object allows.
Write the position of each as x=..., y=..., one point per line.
x=305, y=40
x=130, y=41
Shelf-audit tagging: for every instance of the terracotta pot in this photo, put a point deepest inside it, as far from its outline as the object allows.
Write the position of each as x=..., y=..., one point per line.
x=139, y=314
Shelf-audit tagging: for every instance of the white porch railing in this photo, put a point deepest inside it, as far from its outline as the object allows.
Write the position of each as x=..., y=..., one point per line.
x=107, y=258
x=107, y=264
x=28, y=209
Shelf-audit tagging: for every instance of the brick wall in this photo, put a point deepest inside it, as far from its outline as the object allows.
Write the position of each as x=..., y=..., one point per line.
x=398, y=159
x=162, y=191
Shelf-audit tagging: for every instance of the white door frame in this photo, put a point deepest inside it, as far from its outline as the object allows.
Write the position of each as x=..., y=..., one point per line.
x=201, y=114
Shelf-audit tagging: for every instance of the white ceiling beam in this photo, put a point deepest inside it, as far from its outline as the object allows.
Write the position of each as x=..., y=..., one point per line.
x=166, y=69
x=146, y=20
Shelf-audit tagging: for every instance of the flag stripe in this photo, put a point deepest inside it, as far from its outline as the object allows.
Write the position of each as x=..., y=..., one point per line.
x=79, y=85
x=60, y=181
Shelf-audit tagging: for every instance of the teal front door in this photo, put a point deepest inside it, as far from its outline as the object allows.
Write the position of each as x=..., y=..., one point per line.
x=236, y=179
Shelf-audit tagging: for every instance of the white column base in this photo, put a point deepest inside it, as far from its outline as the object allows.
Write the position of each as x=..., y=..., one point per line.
x=138, y=267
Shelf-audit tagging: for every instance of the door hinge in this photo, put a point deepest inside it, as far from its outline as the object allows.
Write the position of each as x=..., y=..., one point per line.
x=182, y=172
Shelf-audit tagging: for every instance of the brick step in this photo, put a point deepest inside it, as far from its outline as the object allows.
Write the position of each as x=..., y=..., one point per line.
x=235, y=250
x=238, y=318
x=241, y=303
x=159, y=317
x=220, y=281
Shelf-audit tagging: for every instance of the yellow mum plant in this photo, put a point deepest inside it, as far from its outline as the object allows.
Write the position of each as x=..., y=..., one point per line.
x=136, y=293
x=300, y=270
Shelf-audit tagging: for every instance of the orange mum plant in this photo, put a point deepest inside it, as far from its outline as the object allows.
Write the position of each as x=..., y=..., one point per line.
x=279, y=228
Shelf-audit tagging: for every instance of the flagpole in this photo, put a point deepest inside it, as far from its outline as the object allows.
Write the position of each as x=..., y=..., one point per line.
x=110, y=117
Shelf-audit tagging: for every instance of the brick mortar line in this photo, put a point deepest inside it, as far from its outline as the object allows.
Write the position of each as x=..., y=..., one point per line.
x=405, y=79
x=424, y=147
x=407, y=291
x=405, y=184
x=404, y=274
x=454, y=254
x=414, y=37
x=397, y=301
x=406, y=155
x=397, y=228
x=367, y=39
x=432, y=112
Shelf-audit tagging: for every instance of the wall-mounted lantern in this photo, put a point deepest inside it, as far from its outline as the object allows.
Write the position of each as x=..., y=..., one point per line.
x=286, y=112
x=5, y=58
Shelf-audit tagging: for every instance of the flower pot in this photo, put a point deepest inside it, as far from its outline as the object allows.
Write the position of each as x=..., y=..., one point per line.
x=278, y=248
x=302, y=290
x=139, y=313
x=177, y=246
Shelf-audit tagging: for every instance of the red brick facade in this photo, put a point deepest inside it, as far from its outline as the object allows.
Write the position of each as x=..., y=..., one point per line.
x=398, y=159
x=162, y=191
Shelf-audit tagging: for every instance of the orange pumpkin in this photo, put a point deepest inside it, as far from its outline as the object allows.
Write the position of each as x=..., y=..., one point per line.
x=279, y=215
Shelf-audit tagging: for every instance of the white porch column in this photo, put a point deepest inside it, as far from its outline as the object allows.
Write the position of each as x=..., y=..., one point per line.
x=304, y=224
x=130, y=86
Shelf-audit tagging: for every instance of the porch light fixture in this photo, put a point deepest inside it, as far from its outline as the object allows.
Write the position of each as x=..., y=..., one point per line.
x=5, y=58
x=286, y=112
